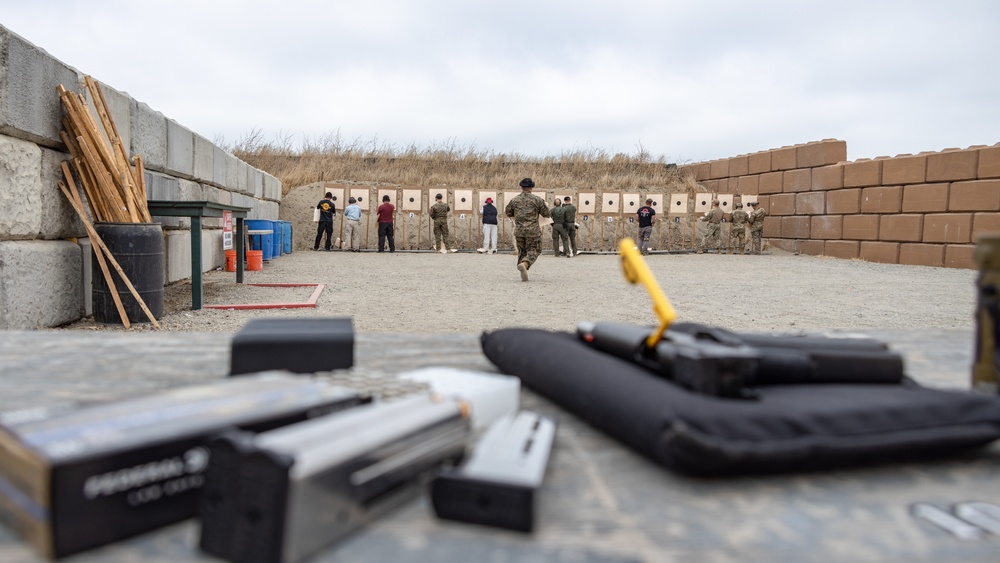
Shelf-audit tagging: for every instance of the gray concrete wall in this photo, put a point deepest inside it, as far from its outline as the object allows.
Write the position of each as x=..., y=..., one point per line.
x=43, y=249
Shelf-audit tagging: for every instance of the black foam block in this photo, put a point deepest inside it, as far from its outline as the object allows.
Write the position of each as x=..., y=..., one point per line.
x=297, y=345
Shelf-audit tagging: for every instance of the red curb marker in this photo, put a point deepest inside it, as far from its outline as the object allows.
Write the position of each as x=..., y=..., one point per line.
x=309, y=303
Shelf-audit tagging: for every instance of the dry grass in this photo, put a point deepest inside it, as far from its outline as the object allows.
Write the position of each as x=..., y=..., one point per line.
x=330, y=158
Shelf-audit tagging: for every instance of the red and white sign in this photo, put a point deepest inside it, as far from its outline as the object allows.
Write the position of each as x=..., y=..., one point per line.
x=227, y=230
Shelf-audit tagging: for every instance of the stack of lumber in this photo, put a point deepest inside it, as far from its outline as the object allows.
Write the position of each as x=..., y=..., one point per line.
x=115, y=189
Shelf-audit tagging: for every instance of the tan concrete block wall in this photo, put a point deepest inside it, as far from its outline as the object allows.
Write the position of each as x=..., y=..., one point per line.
x=885, y=252
x=828, y=177
x=989, y=162
x=977, y=195
x=796, y=180
x=883, y=199
x=959, y=256
x=781, y=204
x=826, y=227
x=759, y=163
x=829, y=151
x=952, y=165
x=843, y=202
x=770, y=183
x=904, y=170
x=862, y=173
x=903, y=228
x=842, y=249
x=948, y=227
x=925, y=198
x=811, y=247
x=861, y=227
x=810, y=203
x=784, y=158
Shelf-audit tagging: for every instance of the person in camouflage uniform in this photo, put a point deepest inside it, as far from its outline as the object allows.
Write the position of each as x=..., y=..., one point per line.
x=525, y=210
x=570, y=223
x=756, y=221
x=439, y=214
x=738, y=229
x=714, y=218
x=559, y=233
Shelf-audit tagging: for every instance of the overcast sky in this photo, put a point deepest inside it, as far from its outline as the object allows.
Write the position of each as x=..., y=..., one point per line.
x=686, y=80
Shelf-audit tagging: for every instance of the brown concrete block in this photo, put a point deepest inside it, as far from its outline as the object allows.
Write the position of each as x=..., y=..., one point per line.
x=847, y=249
x=825, y=227
x=799, y=180
x=985, y=223
x=795, y=227
x=922, y=254
x=720, y=169
x=748, y=185
x=883, y=199
x=788, y=245
x=977, y=195
x=862, y=173
x=731, y=185
x=739, y=166
x=843, y=202
x=772, y=227
x=925, y=198
x=781, y=204
x=904, y=228
x=885, y=252
x=828, y=177
x=905, y=169
x=759, y=163
x=702, y=171
x=811, y=247
x=825, y=152
x=861, y=227
x=960, y=256
x=810, y=203
x=948, y=227
x=989, y=162
x=770, y=183
x=952, y=165
x=783, y=159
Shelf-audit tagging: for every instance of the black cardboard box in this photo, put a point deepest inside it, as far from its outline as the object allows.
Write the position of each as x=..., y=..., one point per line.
x=75, y=478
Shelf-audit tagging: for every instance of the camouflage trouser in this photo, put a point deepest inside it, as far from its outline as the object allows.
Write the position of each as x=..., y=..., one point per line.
x=644, y=233
x=755, y=235
x=711, y=236
x=559, y=233
x=528, y=248
x=440, y=234
x=738, y=237
x=571, y=234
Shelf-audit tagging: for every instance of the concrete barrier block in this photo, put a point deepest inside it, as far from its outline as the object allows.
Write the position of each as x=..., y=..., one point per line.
x=748, y=185
x=272, y=188
x=781, y=204
x=862, y=173
x=29, y=105
x=212, y=254
x=901, y=228
x=177, y=255
x=799, y=180
x=884, y=252
x=20, y=189
x=719, y=169
x=58, y=219
x=204, y=159
x=40, y=284
x=810, y=203
x=846, y=249
x=702, y=171
x=824, y=227
x=952, y=165
x=985, y=224
x=977, y=195
x=243, y=178
x=269, y=210
x=960, y=256
x=770, y=183
x=255, y=182
x=884, y=199
x=925, y=198
x=828, y=177
x=820, y=154
x=811, y=247
x=989, y=162
x=861, y=227
x=953, y=228
x=904, y=169
x=220, y=167
x=772, y=227
x=218, y=195
x=843, y=202
x=232, y=171
x=180, y=150
x=922, y=254
x=759, y=163
x=795, y=227
x=149, y=136
x=788, y=245
x=783, y=158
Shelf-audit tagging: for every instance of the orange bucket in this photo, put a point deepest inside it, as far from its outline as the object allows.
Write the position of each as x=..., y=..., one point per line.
x=230, y=260
x=255, y=260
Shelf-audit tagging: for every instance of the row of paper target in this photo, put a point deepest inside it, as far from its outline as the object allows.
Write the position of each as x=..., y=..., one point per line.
x=586, y=202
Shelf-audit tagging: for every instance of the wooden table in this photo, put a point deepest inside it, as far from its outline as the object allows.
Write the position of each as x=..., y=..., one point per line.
x=196, y=210
x=600, y=501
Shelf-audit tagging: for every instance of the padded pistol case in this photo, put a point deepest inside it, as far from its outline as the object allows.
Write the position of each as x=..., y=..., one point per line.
x=788, y=428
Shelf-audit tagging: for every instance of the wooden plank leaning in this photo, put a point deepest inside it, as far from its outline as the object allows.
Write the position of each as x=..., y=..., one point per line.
x=77, y=203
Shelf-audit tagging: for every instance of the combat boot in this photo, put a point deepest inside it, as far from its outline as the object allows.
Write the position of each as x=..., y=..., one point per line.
x=444, y=249
x=523, y=268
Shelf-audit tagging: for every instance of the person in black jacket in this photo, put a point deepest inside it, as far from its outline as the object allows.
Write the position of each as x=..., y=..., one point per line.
x=489, y=216
x=327, y=210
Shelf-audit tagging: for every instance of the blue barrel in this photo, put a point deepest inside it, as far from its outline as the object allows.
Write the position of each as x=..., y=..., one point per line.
x=261, y=242
x=286, y=237
x=276, y=239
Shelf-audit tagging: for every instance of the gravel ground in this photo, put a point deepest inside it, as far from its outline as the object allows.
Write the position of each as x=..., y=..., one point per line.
x=469, y=293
